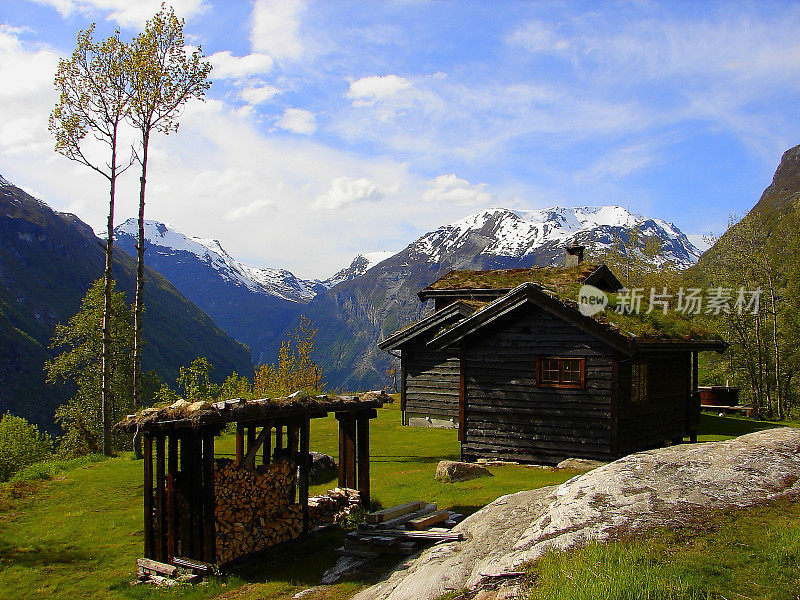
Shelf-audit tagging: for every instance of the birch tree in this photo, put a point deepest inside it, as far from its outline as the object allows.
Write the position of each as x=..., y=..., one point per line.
x=92, y=106
x=164, y=76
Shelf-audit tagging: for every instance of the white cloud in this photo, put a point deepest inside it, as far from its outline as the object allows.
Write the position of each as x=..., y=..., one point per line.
x=699, y=240
x=298, y=121
x=249, y=210
x=345, y=191
x=127, y=13
x=622, y=161
x=227, y=66
x=368, y=90
x=452, y=190
x=256, y=94
x=276, y=25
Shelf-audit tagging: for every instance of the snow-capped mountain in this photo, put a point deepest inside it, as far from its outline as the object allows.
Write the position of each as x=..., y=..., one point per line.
x=360, y=265
x=501, y=233
x=164, y=241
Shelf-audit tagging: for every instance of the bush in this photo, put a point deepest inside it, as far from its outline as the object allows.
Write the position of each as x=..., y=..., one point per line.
x=21, y=444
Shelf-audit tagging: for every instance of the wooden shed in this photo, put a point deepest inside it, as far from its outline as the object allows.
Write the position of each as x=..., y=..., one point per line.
x=525, y=376
x=202, y=507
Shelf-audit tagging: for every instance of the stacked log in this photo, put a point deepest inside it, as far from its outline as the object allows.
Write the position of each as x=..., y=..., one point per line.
x=333, y=506
x=253, y=507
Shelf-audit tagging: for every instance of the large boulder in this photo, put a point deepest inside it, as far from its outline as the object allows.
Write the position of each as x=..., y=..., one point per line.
x=658, y=488
x=451, y=470
x=323, y=468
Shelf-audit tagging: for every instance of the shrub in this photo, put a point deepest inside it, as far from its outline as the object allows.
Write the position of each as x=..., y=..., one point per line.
x=21, y=444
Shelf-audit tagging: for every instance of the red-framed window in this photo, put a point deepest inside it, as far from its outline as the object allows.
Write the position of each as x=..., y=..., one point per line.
x=560, y=372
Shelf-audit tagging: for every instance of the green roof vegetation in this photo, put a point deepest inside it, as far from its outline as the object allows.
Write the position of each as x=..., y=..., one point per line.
x=565, y=283
x=559, y=279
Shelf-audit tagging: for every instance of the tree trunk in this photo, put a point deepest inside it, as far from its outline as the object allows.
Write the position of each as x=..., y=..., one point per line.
x=776, y=350
x=139, y=301
x=105, y=378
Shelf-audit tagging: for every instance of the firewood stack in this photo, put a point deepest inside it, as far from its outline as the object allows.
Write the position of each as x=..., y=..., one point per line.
x=334, y=505
x=254, y=507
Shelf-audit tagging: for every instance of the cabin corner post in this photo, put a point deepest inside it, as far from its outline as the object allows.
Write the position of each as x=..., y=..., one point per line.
x=403, y=372
x=347, y=447
x=160, y=524
x=694, y=399
x=209, y=497
x=172, y=495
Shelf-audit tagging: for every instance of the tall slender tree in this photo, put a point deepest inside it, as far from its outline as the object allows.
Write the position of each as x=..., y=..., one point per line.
x=93, y=98
x=164, y=76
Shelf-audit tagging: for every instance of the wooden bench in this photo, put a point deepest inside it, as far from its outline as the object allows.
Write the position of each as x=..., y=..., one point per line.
x=746, y=409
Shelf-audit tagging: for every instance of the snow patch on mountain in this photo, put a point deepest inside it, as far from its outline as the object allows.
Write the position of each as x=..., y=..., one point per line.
x=519, y=233
x=4, y=181
x=359, y=265
x=166, y=240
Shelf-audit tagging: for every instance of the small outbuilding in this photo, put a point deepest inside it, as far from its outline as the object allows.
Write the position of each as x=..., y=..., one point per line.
x=509, y=360
x=203, y=507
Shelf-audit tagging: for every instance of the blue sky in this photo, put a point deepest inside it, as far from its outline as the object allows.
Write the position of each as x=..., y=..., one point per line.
x=337, y=127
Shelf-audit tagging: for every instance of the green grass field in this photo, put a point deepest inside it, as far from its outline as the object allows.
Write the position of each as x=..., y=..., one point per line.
x=78, y=534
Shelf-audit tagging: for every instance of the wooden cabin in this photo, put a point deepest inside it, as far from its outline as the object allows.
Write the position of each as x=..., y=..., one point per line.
x=508, y=359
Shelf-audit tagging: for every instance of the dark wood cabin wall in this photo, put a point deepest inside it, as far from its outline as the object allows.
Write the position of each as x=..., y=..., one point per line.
x=431, y=380
x=509, y=417
x=661, y=416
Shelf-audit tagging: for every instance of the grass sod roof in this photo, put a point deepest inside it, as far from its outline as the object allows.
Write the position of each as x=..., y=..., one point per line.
x=564, y=283
x=558, y=279
x=183, y=414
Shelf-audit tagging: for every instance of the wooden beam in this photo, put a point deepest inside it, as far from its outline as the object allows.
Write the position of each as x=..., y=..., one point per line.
x=196, y=498
x=304, y=457
x=403, y=369
x=148, y=496
x=160, y=531
x=362, y=451
x=172, y=495
x=278, y=437
x=209, y=499
x=253, y=446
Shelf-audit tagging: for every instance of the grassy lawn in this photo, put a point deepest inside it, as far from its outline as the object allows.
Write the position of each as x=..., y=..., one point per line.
x=78, y=535
x=746, y=554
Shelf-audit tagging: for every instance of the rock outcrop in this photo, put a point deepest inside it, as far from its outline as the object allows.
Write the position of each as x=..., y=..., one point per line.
x=451, y=470
x=658, y=488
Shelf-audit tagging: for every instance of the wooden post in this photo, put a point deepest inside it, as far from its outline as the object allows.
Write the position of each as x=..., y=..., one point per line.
x=148, y=496
x=278, y=437
x=172, y=496
x=403, y=386
x=291, y=447
x=267, y=447
x=239, y=443
x=347, y=434
x=209, y=502
x=251, y=438
x=160, y=532
x=304, y=457
x=185, y=504
x=196, y=497
x=362, y=450
x=695, y=405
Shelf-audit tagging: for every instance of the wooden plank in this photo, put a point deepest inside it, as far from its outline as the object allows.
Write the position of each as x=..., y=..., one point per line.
x=347, y=459
x=185, y=505
x=209, y=499
x=425, y=522
x=148, y=496
x=154, y=566
x=462, y=392
x=395, y=511
x=362, y=451
x=403, y=375
x=292, y=442
x=401, y=520
x=172, y=495
x=160, y=530
x=251, y=439
x=304, y=458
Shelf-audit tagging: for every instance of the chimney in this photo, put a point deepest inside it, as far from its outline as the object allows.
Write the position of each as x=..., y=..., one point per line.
x=574, y=256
